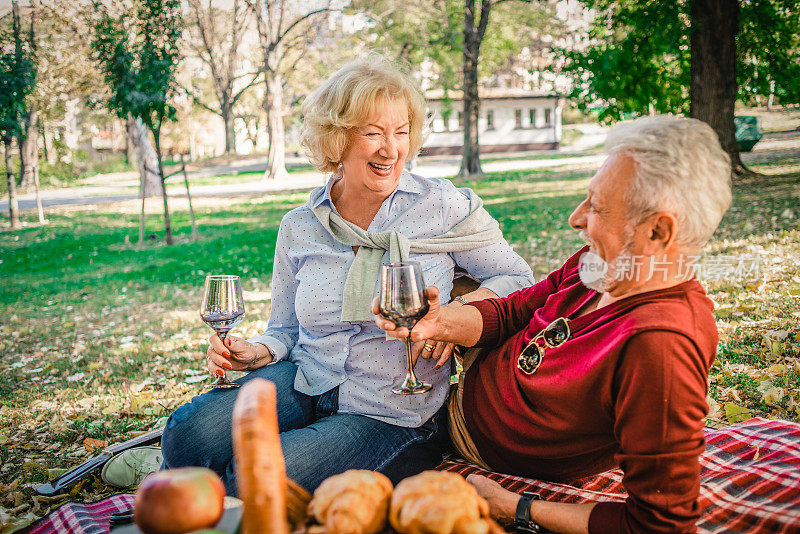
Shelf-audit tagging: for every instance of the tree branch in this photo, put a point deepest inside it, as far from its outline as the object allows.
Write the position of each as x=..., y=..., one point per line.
x=235, y=97
x=199, y=102
x=486, y=9
x=296, y=22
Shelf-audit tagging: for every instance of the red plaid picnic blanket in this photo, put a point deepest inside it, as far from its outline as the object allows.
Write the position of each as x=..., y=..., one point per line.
x=750, y=475
x=92, y=518
x=750, y=483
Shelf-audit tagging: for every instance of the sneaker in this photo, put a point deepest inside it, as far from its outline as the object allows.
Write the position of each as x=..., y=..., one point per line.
x=128, y=468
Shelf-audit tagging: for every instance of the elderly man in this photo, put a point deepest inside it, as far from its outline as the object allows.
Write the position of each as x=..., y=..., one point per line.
x=605, y=362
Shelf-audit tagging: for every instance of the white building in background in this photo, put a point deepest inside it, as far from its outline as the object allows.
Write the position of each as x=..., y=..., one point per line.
x=511, y=120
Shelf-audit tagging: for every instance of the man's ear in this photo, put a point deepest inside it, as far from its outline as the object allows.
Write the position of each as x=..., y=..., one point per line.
x=662, y=230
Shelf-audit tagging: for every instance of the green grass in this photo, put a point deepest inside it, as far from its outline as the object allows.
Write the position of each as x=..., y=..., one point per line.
x=101, y=338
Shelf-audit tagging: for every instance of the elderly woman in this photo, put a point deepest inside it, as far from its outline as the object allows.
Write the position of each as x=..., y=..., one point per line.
x=604, y=363
x=333, y=367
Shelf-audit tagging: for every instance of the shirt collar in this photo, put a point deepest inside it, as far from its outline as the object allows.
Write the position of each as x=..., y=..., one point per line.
x=408, y=183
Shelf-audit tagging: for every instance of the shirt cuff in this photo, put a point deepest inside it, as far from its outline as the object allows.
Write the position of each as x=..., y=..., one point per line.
x=491, y=326
x=606, y=517
x=504, y=285
x=278, y=349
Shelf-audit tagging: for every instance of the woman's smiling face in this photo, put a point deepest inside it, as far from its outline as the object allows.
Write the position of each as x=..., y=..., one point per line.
x=377, y=152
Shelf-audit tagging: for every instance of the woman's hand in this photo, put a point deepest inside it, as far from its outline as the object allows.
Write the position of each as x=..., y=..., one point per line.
x=432, y=350
x=235, y=354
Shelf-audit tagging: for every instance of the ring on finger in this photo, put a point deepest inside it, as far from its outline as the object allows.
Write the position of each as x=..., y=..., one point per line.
x=429, y=346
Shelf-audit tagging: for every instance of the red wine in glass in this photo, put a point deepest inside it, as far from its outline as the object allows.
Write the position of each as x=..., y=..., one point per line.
x=221, y=322
x=402, y=301
x=222, y=309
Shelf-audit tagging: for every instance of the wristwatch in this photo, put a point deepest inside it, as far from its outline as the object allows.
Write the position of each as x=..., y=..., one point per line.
x=522, y=518
x=461, y=299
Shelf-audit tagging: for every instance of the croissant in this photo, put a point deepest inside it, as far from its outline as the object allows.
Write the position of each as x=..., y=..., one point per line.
x=353, y=502
x=439, y=502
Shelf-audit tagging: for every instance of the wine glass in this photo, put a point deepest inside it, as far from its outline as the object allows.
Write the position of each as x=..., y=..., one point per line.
x=402, y=301
x=222, y=309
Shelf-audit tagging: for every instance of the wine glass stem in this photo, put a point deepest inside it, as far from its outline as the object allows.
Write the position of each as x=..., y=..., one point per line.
x=410, y=361
x=224, y=377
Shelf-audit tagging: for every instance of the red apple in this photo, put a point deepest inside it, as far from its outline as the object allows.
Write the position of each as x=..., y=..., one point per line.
x=178, y=501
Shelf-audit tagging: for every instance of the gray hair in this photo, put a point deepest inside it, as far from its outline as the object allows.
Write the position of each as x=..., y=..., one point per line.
x=680, y=167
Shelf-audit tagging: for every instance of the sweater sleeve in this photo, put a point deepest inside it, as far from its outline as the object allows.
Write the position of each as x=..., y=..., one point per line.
x=504, y=317
x=660, y=387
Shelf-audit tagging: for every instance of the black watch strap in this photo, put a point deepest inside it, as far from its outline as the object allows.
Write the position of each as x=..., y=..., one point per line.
x=522, y=518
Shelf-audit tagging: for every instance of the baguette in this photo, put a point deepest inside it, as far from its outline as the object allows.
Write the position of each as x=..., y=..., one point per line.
x=260, y=469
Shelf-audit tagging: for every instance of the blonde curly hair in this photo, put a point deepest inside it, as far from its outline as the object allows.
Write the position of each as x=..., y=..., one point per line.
x=348, y=99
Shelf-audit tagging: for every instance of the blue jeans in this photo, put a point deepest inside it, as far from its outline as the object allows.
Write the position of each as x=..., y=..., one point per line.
x=317, y=441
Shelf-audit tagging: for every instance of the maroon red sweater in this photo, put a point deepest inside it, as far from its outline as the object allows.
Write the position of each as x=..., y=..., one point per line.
x=628, y=389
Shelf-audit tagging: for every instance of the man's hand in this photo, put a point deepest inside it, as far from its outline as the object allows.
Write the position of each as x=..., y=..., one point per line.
x=424, y=329
x=461, y=325
x=427, y=347
x=502, y=503
x=235, y=354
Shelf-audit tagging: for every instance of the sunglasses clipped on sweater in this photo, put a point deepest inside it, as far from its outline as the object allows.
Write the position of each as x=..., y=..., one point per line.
x=554, y=335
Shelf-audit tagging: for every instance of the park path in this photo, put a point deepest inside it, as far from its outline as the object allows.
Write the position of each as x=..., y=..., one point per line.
x=104, y=189
x=432, y=167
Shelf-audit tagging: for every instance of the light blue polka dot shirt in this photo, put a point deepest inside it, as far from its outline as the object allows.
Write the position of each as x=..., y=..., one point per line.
x=308, y=280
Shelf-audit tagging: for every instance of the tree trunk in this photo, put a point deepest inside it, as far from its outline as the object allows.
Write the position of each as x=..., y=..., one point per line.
x=146, y=159
x=13, y=207
x=29, y=149
x=226, y=110
x=189, y=198
x=252, y=133
x=167, y=226
x=141, y=218
x=39, y=208
x=50, y=148
x=45, y=145
x=273, y=105
x=470, y=155
x=713, y=86
x=771, y=99
x=130, y=150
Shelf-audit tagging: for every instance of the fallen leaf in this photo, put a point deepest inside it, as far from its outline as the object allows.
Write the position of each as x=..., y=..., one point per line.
x=714, y=409
x=113, y=407
x=773, y=396
x=53, y=474
x=197, y=378
x=93, y=444
x=736, y=414
x=775, y=370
